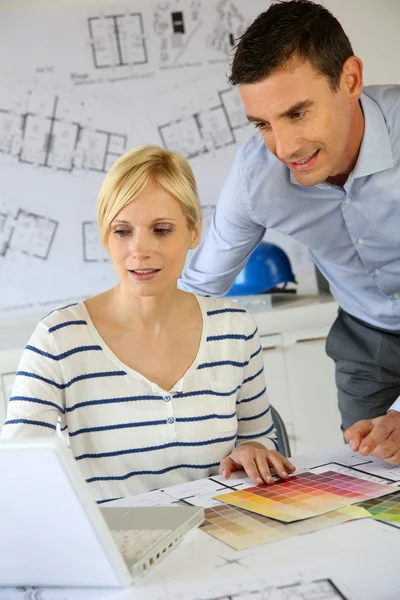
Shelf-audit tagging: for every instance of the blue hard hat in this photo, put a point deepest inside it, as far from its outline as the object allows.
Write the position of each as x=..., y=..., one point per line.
x=267, y=267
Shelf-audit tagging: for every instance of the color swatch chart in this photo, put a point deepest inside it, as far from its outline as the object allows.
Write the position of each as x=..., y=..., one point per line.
x=384, y=509
x=242, y=529
x=306, y=495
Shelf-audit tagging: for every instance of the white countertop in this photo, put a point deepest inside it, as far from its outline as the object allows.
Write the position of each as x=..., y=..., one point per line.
x=290, y=312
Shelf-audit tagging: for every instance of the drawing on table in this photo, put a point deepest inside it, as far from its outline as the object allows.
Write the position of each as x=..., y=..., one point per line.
x=199, y=492
x=117, y=40
x=242, y=529
x=227, y=562
x=352, y=471
x=93, y=250
x=31, y=593
x=38, y=593
x=305, y=495
x=236, y=527
x=381, y=469
x=206, y=130
x=229, y=26
x=46, y=133
x=323, y=589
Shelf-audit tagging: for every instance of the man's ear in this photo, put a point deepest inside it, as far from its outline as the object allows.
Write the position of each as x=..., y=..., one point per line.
x=352, y=77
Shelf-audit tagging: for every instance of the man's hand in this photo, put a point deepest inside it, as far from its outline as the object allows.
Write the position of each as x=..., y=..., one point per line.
x=256, y=460
x=379, y=437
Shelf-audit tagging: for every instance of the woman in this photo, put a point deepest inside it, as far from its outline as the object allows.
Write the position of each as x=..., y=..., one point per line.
x=153, y=385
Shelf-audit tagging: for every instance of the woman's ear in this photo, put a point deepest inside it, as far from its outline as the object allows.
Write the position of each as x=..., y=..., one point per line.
x=195, y=231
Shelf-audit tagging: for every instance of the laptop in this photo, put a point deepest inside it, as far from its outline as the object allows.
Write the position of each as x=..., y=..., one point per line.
x=54, y=534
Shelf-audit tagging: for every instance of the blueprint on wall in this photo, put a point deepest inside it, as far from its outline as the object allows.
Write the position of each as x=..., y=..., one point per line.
x=87, y=90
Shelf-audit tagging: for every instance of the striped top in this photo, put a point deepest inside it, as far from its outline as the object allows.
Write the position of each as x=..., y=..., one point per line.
x=127, y=434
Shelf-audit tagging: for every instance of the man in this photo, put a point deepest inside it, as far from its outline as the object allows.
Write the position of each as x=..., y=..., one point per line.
x=324, y=168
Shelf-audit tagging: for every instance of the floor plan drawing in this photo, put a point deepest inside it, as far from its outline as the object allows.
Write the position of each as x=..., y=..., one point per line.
x=117, y=40
x=207, y=130
x=5, y=232
x=30, y=593
x=323, y=589
x=93, y=251
x=176, y=26
x=27, y=233
x=48, y=135
x=229, y=26
x=374, y=471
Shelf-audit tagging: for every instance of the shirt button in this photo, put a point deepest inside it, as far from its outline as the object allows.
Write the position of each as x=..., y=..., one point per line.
x=167, y=398
x=347, y=201
x=378, y=271
x=360, y=241
x=396, y=296
x=170, y=420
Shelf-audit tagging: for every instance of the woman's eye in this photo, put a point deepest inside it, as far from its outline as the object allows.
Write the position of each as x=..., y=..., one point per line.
x=122, y=232
x=162, y=230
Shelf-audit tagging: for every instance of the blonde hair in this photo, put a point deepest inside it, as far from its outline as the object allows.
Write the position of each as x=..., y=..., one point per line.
x=129, y=175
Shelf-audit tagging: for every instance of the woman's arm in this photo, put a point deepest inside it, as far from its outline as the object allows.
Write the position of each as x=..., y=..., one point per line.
x=256, y=445
x=37, y=397
x=252, y=405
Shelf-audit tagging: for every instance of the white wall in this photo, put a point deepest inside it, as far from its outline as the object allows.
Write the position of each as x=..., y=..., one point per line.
x=373, y=27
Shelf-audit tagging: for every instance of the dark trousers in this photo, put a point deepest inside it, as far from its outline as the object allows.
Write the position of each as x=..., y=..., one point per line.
x=367, y=363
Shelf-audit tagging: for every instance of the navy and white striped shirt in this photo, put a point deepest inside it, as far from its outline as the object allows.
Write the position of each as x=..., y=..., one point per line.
x=127, y=434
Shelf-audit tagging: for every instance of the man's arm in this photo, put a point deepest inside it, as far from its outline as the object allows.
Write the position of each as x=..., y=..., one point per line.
x=232, y=237
x=379, y=437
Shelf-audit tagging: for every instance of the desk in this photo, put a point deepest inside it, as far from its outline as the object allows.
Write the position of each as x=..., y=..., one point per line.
x=360, y=557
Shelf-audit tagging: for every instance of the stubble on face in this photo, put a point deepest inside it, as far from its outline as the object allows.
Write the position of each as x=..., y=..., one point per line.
x=328, y=128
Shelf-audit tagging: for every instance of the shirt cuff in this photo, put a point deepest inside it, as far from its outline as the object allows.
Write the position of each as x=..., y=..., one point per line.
x=395, y=405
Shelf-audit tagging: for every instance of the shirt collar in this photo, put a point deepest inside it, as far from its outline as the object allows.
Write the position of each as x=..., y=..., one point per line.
x=375, y=151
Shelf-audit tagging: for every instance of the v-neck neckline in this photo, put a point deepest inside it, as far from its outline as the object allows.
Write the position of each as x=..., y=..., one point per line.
x=114, y=358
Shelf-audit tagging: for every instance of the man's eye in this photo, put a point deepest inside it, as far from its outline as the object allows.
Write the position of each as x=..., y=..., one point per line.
x=298, y=115
x=162, y=230
x=262, y=126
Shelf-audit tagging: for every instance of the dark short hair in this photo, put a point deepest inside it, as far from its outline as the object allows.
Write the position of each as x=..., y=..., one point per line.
x=297, y=28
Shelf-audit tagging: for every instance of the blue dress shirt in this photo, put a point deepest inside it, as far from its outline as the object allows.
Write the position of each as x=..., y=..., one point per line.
x=353, y=232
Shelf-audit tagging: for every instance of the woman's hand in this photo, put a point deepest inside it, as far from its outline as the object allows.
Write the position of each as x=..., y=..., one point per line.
x=256, y=460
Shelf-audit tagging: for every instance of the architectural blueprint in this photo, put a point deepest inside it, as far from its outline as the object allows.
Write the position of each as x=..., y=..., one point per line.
x=132, y=40
x=88, y=89
x=56, y=130
x=323, y=589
